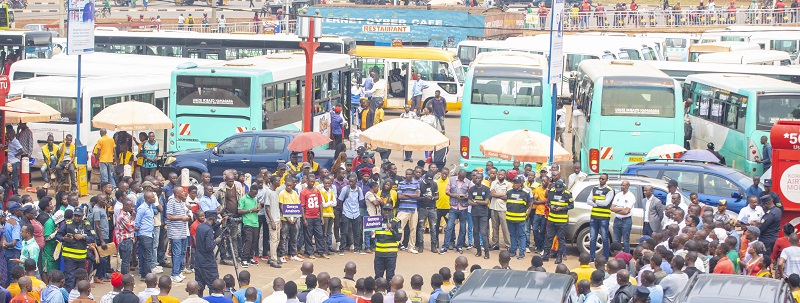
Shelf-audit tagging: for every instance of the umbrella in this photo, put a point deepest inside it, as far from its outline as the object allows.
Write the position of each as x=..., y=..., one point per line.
x=131, y=116
x=700, y=155
x=404, y=134
x=523, y=145
x=307, y=141
x=665, y=151
x=36, y=111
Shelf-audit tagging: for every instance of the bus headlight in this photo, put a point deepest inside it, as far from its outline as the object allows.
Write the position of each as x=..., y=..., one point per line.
x=169, y=160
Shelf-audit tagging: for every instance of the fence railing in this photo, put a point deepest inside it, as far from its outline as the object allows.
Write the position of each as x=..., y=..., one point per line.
x=668, y=18
x=260, y=27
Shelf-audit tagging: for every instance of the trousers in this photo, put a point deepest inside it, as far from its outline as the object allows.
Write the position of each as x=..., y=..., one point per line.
x=70, y=266
x=249, y=242
x=385, y=264
x=427, y=214
x=125, y=251
x=314, y=234
x=498, y=223
x=289, y=238
x=555, y=230
x=480, y=230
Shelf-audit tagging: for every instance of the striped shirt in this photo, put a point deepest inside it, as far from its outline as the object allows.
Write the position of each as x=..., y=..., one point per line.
x=408, y=204
x=176, y=229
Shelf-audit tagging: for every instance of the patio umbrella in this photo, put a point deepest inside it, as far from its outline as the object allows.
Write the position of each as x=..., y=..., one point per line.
x=523, y=145
x=405, y=134
x=307, y=141
x=700, y=155
x=35, y=111
x=131, y=116
x=665, y=151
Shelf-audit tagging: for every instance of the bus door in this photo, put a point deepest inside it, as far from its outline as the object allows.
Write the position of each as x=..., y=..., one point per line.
x=161, y=101
x=398, y=79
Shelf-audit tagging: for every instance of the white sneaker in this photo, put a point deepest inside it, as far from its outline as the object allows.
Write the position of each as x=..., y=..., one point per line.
x=188, y=271
x=182, y=276
x=283, y=260
x=527, y=250
x=157, y=270
x=413, y=251
x=176, y=279
x=298, y=259
x=159, y=267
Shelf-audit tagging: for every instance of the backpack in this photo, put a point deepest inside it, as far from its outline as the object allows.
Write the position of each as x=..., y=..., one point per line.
x=190, y=20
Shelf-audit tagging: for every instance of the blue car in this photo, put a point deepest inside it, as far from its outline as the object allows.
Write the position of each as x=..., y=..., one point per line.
x=711, y=182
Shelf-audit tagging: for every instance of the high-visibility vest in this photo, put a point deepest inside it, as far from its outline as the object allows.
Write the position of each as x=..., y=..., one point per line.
x=516, y=205
x=327, y=196
x=386, y=242
x=599, y=194
x=559, y=199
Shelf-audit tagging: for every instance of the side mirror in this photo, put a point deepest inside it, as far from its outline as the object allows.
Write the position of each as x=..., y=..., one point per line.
x=215, y=151
x=736, y=195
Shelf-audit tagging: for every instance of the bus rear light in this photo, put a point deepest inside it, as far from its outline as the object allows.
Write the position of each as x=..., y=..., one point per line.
x=594, y=160
x=464, y=147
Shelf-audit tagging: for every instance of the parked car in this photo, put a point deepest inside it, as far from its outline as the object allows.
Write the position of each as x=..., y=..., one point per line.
x=734, y=289
x=247, y=152
x=578, y=229
x=512, y=286
x=711, y=182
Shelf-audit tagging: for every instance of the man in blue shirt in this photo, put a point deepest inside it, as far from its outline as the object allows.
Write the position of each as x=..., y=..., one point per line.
x=436, y=284
x=14, y=155
x=368, y=83
x=170, y=187
x=13, y=238
x=766, y=154
x=352, y=226
x=208, y=201
x=335, y=286
x=337, y=124
x=754, y=190
x=145, y=228
x=407, y=195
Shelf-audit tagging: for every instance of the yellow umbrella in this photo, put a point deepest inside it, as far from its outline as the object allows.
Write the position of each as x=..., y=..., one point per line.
x=131, y=116
x=523, y=145
x=404, y=134
x=36, y=111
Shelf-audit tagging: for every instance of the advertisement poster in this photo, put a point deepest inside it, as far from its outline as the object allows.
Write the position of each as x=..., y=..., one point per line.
x=80, y=31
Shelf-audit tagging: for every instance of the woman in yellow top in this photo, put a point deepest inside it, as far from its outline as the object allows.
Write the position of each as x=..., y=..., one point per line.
x=387, y=194
x=378, y=115
x=124, y=158
x=328, y=194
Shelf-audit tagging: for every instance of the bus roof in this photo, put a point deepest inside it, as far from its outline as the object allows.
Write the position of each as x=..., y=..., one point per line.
x=403, y=53
x=103, y=64
x=596, y=69
x=722, y=46
x=701, y=67
x=510, y=59
x=741, y=82
x=745, y=57
x=285, y=65
x=193, y=34
x=57, y=86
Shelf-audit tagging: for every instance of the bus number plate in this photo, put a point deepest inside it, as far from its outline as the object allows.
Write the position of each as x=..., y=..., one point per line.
x=636, y=159
x=212, y=144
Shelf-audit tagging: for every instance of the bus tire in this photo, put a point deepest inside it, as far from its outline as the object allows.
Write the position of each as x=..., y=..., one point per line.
x=428, y=103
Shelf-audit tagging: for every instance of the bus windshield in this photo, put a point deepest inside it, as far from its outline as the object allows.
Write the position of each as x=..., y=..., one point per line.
x=638, y=101
x=467, y=54
x=507, y=91
x=676, y=42
x=772, y=108
x=213, y=91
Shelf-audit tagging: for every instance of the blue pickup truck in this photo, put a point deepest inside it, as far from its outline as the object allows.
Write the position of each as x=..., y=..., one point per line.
x=246, y=152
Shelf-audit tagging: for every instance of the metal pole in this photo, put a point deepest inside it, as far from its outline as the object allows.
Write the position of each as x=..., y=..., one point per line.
x=309, y=47
x=214, y=14
x=79, y=106
x=286, y=6
x=61, y=16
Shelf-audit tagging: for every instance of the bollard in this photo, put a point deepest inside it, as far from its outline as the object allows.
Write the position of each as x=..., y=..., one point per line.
x=185, y=179
x=25, y=173
x=248, y=180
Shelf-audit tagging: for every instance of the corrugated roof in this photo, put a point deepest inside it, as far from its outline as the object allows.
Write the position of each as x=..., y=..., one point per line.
x=499, y=286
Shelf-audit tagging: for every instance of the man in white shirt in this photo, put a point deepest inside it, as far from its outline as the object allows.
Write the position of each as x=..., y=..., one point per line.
x=751, y=213
x=277, y=296
x=621, y=207
x=789, y=262
x=319, y=294
x=497, y=206
x=561, y=123
x=576, y=176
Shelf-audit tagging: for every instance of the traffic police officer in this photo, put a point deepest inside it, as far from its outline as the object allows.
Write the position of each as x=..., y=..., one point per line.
x=518, y=203
x=560, y=200
x=768, y=192
x=770, y=223
x=600, y=201
x=74, y=238
x=387, y=240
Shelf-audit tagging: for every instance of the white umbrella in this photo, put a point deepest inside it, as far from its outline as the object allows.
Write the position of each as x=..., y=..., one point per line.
x=37, y=111
x=405, y=134
x=523, y=145
x=666, y=151
x=131, y=116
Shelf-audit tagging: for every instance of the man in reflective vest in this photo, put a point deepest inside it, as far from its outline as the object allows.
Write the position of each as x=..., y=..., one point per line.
x=49, y=157
x=561, y=202
x=518, y=203
x=387, y=240
x=74, y=238
x=600, y=201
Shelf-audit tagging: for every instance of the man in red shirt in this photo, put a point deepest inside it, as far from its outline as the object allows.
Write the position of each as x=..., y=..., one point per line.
x=25, y=286
x=311, y=201
x=724, y=265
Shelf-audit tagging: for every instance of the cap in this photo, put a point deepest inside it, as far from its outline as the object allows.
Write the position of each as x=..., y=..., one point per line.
x=281, y=166
x=767, y=182
x=722, y=202
x=753, y=231
x=765, y=199
x=147, y=184
x=376, y=170
x=305, y=164
x=361, y=149
x=14, y=207
x=672, y=183
x=543, y=169
x=519, y=179
x=387, y=206
x=116, y=279
x=77, y=212
x=642, y=292
x=29, y=209
x=210, y=213
x=559, y=185
x=512, y=174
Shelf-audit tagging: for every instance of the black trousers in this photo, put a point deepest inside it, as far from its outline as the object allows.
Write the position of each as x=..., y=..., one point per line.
x=262, y=221
x=385, y=264
x=249, y=242
x=553, y=230
x=480, y=228
x=70, y=266
x=205, y=274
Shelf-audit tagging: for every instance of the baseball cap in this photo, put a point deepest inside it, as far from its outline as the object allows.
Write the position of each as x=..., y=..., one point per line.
x=753, y=231
x=376, y=170
x=722, y=202
x=28, y=209
x=146, y=184
x=519, y=179
x=14, y=207
x=767, y=182
x=305, y=164
x=281, y=166
x=77, y=212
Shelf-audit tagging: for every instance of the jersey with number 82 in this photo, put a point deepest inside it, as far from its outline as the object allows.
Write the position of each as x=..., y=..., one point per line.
x=311, y=199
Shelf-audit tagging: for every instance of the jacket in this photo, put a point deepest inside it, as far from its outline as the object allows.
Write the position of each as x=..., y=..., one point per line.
x=387, y=240
x=623, y=294
x=655, y=213
x=76, y=249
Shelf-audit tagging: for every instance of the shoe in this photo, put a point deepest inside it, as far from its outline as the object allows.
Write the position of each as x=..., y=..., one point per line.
x=361, y=252
x=297, y=258
x=324, y=256
x=311, y=257
x=188, y=271
x=176, y=279
x=264, y=258
x=341, y=252
x=479, y=254
x=413, y=251
x=160, y=267
x=182, y=276
x=157, y=270
x=283, y=260
x=486, y=256
x=540, y=252
x=558, y=258
x=333, y=250
x=513, y=255
x=470, y=247
x=402, y=247
x=495, y=247
x=274, y=265
x=434, y=250
x=520, y=257
x=545, y=257
x=527, y=250
x=245, y=264
x=255, y=261
x=443, y=251
x=98, y=281
x=460, y=251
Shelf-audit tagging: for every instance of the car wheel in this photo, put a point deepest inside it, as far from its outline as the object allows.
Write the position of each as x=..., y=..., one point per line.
x=195, y=178
x=583, y=240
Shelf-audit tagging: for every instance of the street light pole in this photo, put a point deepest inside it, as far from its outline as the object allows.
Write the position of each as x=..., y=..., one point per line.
x=309, y=46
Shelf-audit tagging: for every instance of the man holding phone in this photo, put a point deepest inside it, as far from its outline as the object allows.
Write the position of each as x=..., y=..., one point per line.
x=457, y=191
